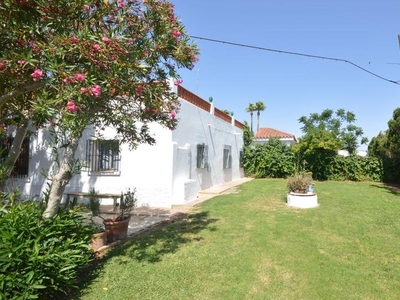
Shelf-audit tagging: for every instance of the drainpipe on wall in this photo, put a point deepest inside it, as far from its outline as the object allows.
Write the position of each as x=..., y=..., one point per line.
x=211, y=105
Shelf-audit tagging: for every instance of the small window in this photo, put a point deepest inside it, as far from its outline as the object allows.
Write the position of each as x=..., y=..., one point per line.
x=241, y=154
x=202, y=156
x=227, y=158
x=21, y=166
x=103, y=156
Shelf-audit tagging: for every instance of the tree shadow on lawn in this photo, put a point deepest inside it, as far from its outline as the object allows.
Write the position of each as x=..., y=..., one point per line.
x=392, y=188
x=152, y=245
x=166, y=239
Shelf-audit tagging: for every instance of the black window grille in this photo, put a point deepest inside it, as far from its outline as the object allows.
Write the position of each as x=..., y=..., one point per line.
x=103, y=156
x=202, y=156
x=21, y=166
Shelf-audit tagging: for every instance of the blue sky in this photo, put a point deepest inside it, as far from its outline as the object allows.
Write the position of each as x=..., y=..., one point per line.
x=363, y=32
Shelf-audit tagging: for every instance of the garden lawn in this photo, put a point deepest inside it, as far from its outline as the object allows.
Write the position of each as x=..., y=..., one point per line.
x=251, y=245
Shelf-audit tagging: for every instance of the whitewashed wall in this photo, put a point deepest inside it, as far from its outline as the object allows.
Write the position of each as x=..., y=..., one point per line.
x=197, y=126
x=163, y=174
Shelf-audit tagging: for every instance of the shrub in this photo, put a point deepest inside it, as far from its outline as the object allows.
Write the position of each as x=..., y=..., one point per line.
x=356, y=168
x=272, y=159
x=40, y=258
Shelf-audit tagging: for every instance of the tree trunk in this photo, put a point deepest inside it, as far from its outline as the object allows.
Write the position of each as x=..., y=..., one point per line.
x=251, y=122
x=62, y=178
x=14, y=151
x=258, y=120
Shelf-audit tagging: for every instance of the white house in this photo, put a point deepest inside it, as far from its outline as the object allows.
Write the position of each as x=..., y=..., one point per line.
x=202, y=152
x=264, y=134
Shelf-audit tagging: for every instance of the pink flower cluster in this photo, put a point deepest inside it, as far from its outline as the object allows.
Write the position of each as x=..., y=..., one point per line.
x=80, y=77
x=74, y=39
x=121, y=3
x=172, y=114
x=71, y=106
x=96, y=91
x=105, y=39
x=96, y=47
x=176, y=34
x=21, y=63
x=37, y=74
x=139, y=90
x=178, y=82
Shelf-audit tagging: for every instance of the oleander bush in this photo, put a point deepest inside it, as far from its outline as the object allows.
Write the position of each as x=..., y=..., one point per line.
x=41, y=258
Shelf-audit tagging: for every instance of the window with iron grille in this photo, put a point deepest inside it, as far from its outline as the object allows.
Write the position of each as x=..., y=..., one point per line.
x=202, y=156
x=227, y=158
x=103, y=156
x=21, y=166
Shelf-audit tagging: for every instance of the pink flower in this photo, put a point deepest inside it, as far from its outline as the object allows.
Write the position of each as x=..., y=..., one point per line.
x=21, y=62
x=83, y=90
x=139, y=90
x=105, y=40
x=2, y=65
x=96, y=91
x=96, y=47
x=80, y=77
x=86, y=7
x=74, y=39
x=71, y=107
x=178, y=82
x=172, y=114
x=37, y=74
x=176, y=34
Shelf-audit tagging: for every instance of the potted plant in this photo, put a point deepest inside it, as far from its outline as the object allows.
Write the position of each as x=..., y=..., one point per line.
x=117, y=227
x=100, y=236
x=300, y=183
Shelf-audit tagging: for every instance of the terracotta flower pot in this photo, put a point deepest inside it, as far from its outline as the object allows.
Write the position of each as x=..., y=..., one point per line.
x=99, y=240
x=301, y=191
x=116, y=230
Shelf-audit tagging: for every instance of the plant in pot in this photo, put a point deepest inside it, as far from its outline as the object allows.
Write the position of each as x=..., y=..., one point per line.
x=117, y=227
x=100, y=236
x=300, y=183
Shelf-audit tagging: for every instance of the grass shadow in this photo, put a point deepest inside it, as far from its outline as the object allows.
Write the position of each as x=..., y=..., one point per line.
x=151, y=246
x=392, y=188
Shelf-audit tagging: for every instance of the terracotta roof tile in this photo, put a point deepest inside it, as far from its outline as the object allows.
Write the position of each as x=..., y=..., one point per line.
x=266, y=133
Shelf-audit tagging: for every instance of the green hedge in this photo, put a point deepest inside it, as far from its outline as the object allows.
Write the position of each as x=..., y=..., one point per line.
x=356, y=168
x=41, y=258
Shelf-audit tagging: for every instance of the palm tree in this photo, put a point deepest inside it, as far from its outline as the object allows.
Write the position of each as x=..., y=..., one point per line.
x=260, y=106
x=251, y=108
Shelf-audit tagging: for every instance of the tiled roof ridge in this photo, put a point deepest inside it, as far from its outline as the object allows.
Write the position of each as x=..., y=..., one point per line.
x=267, y=132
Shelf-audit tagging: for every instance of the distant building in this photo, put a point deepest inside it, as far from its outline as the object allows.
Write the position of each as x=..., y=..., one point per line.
x=361, y=153
x=264, y=134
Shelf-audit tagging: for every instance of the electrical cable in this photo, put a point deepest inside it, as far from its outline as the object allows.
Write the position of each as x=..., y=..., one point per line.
x=296, y=53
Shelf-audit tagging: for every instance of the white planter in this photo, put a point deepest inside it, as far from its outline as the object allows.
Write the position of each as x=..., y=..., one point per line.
x=302, y=200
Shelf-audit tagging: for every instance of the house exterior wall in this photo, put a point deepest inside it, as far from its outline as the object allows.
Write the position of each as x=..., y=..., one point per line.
x=197, y=126
x=163, y=174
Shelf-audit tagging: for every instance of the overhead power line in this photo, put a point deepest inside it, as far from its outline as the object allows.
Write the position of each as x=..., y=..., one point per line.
x=296, y=53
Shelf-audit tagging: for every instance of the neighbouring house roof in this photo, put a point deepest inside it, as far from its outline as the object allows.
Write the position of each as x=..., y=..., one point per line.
x=265, y=133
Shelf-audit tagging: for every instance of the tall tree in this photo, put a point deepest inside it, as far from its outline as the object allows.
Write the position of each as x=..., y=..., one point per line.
x=251, y=109
x=324, y=135
x=260, y=106
x=393, y=133
x=75, y=63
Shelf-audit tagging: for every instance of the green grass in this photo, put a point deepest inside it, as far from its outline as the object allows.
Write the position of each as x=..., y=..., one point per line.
x=251, y=245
